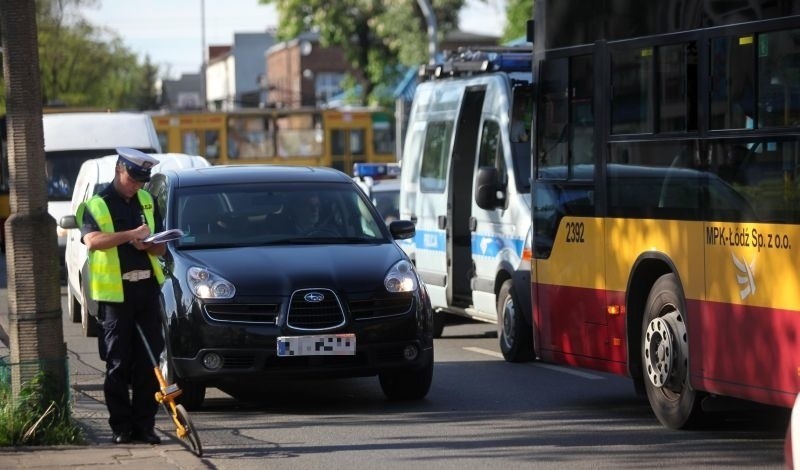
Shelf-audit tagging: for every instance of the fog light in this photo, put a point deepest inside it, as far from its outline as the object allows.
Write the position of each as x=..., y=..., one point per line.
x=212, y=361
x=410, y=352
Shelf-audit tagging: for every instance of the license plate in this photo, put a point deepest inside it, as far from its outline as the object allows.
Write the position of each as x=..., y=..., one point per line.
x=317, y=345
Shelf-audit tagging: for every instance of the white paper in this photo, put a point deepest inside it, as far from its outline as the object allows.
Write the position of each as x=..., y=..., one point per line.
x=165, y=236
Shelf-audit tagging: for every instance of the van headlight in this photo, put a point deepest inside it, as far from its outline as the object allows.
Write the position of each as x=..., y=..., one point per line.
x=401, y=278
x=207, y=285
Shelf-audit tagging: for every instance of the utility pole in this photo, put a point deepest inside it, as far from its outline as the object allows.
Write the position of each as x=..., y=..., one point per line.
x=433, y=40
x=203, y=100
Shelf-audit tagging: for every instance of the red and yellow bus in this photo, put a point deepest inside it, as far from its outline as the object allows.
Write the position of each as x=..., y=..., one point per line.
x=336, y=138
x=666, y=197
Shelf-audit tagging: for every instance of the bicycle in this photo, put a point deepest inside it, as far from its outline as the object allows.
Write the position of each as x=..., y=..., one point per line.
x=166, y=396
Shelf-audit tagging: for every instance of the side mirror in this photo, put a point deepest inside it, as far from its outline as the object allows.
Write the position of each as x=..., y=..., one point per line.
x=402, y=229
x=489, y=191
x=68, y=222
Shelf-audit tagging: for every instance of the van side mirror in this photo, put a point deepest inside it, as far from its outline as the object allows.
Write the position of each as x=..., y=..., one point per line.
x=489, y=190
x=68, y=222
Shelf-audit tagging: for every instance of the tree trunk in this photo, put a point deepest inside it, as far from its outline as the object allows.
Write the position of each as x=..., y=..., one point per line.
x=36, y=333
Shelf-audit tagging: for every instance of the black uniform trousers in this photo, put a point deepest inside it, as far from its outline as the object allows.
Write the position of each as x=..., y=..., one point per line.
x=127, y=360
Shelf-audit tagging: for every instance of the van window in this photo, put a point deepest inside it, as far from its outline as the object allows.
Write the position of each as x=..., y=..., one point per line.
x=491, y=151
x=435, y=154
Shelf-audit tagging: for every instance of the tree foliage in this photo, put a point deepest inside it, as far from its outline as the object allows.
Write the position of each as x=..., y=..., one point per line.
x=377, y=36
x=518, y=12
x=82, y=65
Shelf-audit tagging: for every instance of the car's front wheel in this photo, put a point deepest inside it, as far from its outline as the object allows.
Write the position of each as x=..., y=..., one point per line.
x=404, y=384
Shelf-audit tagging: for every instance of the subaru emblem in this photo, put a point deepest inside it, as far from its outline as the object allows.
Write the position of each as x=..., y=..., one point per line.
x=314, y=297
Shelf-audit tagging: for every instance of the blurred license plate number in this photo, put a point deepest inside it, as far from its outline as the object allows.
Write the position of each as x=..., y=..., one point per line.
x=321, y=345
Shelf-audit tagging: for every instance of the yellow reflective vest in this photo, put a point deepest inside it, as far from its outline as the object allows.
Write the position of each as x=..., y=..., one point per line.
x=105, y=273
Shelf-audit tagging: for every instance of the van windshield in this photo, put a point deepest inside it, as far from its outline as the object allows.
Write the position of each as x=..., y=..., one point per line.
x=61, y=170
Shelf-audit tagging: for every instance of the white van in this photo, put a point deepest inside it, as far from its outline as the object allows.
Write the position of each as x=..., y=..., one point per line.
x=94, y=175
x=466, y=184
x=72, y=138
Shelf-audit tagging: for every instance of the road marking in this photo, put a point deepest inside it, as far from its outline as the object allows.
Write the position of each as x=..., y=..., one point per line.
x=565, y=370
x=486, y=352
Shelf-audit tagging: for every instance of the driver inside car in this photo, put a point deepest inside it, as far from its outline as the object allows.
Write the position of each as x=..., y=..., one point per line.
x=305, y=214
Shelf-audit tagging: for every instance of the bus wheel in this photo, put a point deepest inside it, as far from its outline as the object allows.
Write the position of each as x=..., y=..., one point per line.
x=665, y=357
x=514, y=332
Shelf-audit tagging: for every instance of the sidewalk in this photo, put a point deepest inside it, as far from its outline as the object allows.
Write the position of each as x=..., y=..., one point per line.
x=89, y=410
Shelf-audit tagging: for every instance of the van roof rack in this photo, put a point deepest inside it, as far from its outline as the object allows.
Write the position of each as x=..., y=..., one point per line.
x=467, y=61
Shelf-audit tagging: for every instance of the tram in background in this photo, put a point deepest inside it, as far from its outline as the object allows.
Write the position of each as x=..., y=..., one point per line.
x=335, y=138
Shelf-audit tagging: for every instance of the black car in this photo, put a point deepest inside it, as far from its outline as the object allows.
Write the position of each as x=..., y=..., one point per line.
x=286, y=272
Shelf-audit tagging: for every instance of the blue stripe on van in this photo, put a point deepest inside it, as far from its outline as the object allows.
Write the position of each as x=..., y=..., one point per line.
x=482, y=245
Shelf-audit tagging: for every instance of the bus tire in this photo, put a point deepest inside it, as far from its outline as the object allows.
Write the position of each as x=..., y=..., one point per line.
x=665, y=356
x=514, y=332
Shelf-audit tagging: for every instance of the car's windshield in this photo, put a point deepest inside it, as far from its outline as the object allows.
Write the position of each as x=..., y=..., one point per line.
x=242, y=215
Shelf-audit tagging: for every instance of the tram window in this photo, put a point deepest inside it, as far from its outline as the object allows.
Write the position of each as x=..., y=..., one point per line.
x=631, y=100
x=212, y=145
x=732, y=97
x=779, y=78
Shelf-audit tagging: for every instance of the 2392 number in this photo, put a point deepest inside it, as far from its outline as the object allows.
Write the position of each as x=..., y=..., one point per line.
x=575, y=232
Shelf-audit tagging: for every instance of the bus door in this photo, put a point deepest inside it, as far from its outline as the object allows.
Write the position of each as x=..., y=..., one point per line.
x=346, y=137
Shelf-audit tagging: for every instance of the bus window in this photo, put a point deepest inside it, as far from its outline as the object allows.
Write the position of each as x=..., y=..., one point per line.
x=631, y=100
x=732, y=82
x=764, y=173
x=779, y=78
x=553, y=110
x=677, y=88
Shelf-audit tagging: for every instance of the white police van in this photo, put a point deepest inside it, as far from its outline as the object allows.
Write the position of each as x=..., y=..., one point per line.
x=381, y=183
x=70, y=138
x=94, y=175
x=466, y=184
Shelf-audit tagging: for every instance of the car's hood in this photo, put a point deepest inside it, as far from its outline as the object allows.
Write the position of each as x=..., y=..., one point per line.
x=281, y=270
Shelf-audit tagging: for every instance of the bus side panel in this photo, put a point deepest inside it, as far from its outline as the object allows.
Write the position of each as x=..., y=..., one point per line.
x=765, y=364
x=753, y=302
x=570, y=296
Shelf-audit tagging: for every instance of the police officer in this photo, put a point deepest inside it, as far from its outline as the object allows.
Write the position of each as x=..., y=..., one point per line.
x=124, y=278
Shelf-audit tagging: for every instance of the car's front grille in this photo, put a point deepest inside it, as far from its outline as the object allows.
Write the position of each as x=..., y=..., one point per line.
x=244, y=313
x=378, y=307
x=315, y=309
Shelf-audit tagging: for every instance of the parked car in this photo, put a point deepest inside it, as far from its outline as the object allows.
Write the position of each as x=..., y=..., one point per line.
x=94, y=175
x=253, y=294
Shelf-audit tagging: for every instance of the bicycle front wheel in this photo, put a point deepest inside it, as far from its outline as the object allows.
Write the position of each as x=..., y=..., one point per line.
x=191, y=431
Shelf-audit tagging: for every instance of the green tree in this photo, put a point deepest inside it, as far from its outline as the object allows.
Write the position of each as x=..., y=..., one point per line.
x=82, y=65
x=377, y=36
x=518, y=12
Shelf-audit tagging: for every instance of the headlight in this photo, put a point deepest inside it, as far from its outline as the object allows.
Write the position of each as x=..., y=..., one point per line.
x=208, y=285
x=401, y=278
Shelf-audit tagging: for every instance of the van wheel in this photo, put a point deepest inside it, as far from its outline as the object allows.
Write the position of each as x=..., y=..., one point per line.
x=73, y=307
x=665, y=357
x=515, y=334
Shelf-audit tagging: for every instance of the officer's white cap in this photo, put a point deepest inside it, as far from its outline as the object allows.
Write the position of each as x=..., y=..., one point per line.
x=137, y=163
